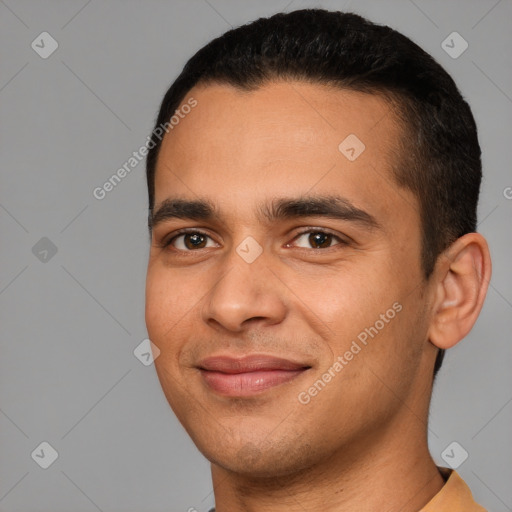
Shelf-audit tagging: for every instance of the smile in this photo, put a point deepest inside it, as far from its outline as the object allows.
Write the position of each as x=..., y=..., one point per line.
x=250, y=375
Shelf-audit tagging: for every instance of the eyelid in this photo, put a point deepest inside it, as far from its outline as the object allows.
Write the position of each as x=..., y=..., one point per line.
x=167, y=240
x=342, y=240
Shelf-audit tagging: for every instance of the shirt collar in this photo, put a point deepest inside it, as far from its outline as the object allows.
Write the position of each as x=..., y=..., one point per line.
x=455, y=496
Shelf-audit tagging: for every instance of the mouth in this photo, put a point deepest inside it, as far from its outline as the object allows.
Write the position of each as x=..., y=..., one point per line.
x=240, y=377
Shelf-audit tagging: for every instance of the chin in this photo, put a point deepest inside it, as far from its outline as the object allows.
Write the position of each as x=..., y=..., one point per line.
x=258, y=458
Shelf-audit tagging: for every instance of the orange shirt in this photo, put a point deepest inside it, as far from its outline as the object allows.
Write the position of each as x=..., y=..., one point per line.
x=455, y=496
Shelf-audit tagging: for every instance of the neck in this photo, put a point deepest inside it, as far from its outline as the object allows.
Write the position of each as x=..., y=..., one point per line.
x=393, y=472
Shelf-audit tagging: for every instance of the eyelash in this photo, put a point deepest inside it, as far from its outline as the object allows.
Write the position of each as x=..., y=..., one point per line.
x=168, y=243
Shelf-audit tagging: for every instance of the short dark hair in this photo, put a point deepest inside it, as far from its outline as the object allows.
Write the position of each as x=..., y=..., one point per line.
x=438, y=155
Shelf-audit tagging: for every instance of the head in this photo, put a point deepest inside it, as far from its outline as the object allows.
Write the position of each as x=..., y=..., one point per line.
x=319, y=119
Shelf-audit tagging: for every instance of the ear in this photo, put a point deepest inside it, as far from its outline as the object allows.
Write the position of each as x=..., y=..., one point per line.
x=461, y=280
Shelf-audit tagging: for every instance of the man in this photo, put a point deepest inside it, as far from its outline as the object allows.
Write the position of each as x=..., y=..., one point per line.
x=313, y=214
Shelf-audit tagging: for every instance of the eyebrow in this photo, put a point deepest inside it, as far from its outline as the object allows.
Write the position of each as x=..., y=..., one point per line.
x=333, y=207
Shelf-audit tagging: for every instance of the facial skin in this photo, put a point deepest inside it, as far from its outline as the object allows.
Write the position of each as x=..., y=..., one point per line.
x=302, y=301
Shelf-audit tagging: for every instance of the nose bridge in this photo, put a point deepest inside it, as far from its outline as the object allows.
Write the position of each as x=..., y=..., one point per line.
x=245, y=289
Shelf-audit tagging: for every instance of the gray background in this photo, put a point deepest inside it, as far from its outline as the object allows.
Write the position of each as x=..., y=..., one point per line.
x=70, y=323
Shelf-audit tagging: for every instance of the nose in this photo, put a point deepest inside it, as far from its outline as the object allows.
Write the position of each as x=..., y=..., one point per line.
x=244, y=294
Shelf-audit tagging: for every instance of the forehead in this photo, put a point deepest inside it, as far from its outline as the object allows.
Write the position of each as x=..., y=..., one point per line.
x=239, y=146
x=294, y=112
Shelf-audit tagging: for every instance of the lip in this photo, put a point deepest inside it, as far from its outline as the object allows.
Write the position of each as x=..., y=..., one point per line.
x=249, y=375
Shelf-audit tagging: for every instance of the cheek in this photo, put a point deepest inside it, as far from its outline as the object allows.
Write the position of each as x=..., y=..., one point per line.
x=171, y=312
x=372, y=324
x=156, y=304
x=347, y=300
x=165, y=303
x=165, y=320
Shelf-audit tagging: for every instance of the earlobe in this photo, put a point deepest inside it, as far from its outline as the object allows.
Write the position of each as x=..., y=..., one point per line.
x=462, y=278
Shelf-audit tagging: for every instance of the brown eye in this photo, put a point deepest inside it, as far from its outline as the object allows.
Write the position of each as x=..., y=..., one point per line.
x=194, y=241
x=316, y=240
x=320, y=240
x=190, y=241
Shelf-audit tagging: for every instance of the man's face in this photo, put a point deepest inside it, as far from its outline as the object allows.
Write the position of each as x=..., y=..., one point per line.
x=253, y=306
